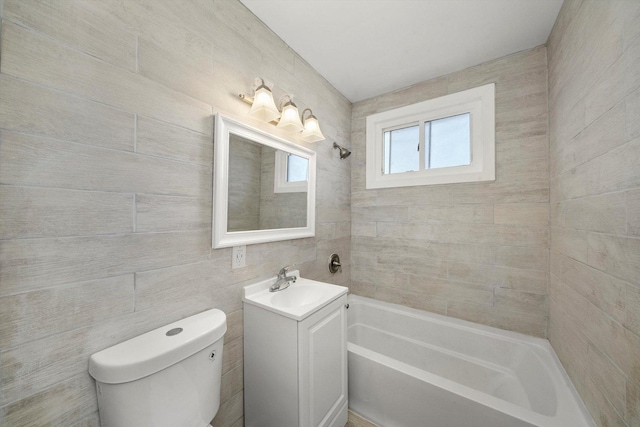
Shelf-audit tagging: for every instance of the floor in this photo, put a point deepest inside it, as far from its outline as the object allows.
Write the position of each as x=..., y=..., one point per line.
x=356, y=420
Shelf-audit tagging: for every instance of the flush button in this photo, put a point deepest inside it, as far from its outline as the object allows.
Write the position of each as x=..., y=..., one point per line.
x=174, y=331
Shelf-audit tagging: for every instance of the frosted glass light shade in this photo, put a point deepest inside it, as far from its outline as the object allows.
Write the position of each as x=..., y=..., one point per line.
x=290, y=119
x=311, y=132
x=263, y=107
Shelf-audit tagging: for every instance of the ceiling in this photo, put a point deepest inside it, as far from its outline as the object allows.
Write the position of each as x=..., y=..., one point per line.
x=369, y=47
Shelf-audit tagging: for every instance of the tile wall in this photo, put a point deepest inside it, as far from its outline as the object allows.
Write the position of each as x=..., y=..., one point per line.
x=476, y=251
x=105, y=180
x=594, y=106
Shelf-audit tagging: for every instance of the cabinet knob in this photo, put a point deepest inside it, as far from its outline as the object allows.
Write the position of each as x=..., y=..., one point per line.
x=346, y=306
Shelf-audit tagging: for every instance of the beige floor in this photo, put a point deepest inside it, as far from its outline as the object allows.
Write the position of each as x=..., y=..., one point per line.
x=356, y=420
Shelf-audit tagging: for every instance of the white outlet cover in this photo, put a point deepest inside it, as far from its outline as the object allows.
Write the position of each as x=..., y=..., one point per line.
x=239, y=257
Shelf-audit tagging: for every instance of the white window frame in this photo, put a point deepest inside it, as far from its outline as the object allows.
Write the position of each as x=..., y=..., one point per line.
x=280, y=183
x=479, y=102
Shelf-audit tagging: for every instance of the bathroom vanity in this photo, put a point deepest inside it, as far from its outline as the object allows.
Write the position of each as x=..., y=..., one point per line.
x=295, y=354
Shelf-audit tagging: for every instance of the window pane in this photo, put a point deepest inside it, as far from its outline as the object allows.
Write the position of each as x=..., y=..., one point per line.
x=401, y=150
x=450, y=143
x=297, y=168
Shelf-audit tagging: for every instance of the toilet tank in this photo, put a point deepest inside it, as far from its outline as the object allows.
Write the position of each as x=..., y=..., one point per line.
x=169, y=377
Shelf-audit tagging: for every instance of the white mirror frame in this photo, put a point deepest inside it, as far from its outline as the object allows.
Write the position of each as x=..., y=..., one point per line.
x=221, y=238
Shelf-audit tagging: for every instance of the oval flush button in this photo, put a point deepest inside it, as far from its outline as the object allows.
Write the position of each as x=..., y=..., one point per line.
x=174, y=331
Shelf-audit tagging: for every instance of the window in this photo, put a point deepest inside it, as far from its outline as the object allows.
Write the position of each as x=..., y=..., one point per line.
x=448, y=141
x=297, y=168
x=443, y=140
x=291, y=173
x=401, y=150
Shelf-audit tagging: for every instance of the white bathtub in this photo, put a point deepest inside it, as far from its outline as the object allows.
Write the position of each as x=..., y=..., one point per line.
x=411, y=368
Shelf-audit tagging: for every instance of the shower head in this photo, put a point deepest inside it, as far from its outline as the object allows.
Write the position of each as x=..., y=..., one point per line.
x=344, y=153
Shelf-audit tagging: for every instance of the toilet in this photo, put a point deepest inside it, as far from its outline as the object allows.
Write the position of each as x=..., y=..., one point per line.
x=169, y=377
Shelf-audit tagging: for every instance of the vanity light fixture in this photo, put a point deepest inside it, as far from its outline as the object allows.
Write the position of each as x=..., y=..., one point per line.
x=290, y=120
x=311, y=132
x=264, y=108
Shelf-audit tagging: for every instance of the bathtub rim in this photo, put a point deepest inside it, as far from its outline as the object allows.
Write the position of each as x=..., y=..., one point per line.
x=568, y=403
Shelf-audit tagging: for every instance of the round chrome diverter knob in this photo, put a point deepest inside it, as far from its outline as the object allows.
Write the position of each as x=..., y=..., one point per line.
x=334, y=263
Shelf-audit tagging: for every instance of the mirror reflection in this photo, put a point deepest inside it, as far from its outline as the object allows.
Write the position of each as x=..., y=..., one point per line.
x=267, y=187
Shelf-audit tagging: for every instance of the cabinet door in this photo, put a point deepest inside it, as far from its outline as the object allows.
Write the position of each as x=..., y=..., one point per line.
x=322, y=347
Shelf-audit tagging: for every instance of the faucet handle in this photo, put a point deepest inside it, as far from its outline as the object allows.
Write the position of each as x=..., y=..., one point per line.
x=283, y=270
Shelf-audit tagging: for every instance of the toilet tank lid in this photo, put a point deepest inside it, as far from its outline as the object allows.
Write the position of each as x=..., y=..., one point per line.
x=153, y=351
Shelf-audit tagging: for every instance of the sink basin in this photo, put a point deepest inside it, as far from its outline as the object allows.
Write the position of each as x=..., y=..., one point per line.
x=298, y=295
x=298, y=301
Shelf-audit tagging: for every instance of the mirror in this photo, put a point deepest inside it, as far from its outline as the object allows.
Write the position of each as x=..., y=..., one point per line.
x=259, y=198
x=264, y=187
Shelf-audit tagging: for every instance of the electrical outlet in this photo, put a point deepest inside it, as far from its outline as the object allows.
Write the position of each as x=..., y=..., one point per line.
x=239, y=257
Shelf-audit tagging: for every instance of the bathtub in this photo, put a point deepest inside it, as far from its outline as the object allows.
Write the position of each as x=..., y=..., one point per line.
x=411, y=368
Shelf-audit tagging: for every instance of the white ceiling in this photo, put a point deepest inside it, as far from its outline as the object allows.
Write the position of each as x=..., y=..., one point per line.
x=369, y=47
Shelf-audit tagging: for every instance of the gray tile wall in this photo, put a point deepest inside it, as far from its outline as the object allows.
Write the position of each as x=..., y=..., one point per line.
x=105, y=186
x=474, y=251
x=105, y=181
x=594, y=99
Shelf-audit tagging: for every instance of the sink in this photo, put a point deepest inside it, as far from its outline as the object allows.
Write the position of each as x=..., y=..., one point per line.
x=299, y=300
x=298, y=295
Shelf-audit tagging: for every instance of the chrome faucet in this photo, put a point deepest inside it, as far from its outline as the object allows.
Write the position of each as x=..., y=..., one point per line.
x=283, y=281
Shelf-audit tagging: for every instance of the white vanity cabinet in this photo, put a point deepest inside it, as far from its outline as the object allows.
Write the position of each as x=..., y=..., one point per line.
x=295, y=370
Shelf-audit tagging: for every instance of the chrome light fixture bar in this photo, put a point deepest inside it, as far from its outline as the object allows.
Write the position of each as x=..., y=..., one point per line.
x=264, y=109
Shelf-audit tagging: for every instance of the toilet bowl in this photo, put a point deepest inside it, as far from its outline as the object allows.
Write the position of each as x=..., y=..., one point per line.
x=168, y=377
